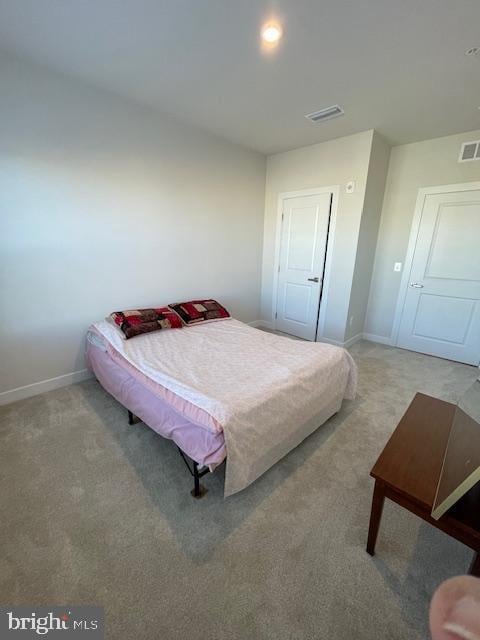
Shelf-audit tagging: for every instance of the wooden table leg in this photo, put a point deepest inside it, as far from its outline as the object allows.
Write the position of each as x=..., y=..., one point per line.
x=475, y=566
x=375, y=516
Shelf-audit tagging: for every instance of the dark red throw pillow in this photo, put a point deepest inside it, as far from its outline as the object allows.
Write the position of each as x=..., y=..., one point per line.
x=135, y=322
x=196, y=311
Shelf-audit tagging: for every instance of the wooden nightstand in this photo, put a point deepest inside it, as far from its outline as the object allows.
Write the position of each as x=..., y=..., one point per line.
x=408, y=472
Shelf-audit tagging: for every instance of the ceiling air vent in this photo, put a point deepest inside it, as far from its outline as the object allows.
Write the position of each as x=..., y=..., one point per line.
x=469, y=151
x=326, y=114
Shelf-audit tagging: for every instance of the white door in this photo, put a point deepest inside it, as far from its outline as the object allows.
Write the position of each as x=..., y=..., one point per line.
x=305, y=223
x=441, y=314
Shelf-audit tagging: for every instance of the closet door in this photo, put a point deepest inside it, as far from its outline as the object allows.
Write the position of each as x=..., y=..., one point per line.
x=305, y=223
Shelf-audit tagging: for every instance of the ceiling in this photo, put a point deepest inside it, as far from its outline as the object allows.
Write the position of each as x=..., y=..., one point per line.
x=394, y=65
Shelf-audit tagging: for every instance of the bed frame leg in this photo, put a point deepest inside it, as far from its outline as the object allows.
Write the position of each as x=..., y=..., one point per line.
x=198, y=490
x=132, y=418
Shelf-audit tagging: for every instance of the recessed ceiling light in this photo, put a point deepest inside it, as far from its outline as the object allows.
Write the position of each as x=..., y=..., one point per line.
x=271, y=32
x=472, y=51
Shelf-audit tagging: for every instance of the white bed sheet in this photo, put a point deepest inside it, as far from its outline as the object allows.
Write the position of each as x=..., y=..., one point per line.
x=262, y=388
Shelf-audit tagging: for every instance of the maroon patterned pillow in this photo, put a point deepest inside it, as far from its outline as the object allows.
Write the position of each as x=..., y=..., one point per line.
x=195, y=311
x=137, y=321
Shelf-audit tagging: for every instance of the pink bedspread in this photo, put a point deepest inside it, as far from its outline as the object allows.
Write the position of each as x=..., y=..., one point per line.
x=265, y=393
x=201, y=444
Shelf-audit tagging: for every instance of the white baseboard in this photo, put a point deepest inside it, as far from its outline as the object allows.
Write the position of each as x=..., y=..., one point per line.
x=372, y=337
x=352, y=340
x=20, y=393
x=338, y=343
x=267, y=324
x=262, y=323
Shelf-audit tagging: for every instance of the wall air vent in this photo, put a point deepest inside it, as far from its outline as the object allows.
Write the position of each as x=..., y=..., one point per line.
x=469, y=151
x=326, y=114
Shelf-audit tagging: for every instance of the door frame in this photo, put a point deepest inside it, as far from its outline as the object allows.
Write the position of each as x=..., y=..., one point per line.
x=423, y=192
x=334, y=191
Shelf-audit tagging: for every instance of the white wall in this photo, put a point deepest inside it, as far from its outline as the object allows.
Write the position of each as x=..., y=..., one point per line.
x=412, y=166
x=368, y=234
x=106, y=205
x=321, y=165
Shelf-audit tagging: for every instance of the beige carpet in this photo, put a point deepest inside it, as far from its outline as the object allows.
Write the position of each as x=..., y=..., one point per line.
x=94, y=511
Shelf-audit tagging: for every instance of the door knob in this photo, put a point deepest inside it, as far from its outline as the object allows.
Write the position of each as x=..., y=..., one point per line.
x=416, y=285
x=312, y=279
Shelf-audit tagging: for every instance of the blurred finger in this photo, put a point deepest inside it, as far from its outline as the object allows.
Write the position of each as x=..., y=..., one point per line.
x=455, y=610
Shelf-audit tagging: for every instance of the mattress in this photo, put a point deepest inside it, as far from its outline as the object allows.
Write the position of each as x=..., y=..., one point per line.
x=201, y=444
x=263, y=392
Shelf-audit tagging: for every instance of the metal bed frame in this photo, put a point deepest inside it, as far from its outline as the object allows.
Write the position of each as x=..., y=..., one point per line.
x=198, y=490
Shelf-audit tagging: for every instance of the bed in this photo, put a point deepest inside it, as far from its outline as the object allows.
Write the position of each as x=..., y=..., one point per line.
x=223, y=390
